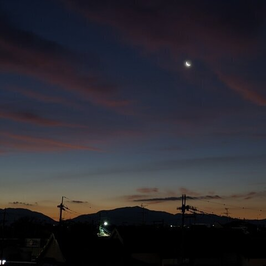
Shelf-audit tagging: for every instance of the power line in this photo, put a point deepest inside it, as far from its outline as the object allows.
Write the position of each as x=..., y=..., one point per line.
x=234, y=206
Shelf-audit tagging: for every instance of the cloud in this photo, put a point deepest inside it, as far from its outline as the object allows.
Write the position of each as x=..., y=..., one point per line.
x=246, y=196
x=77, y=201
x=147, y=190
x=187, y=163
x=133, y=198
x=42, y=97
x=162, y=199
x=30, y=117
x=158, y=199
x=168, y=195
x=25, y=53
x=218, y=33
x=15, y=142
x=246, y=88
x=20, y=203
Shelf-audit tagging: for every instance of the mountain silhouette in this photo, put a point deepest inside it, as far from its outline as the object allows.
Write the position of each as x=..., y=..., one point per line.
x=11, y=215
x=138, y=215
x=126, y=216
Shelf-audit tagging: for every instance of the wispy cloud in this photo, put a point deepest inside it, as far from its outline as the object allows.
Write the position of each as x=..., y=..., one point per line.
x=172, y=164
x=147, y=190
x=191, y=195
x=154, y=195
x=25, y=53
x=30, y=117
x=15, y=142
x=218, y=33
x=20, y=203
x=162, y=199
x=77, y=201
x=245, y=196
x=246, y=88
x=36, y=95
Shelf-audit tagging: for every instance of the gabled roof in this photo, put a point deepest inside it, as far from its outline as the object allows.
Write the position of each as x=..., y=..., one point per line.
x=51, y=251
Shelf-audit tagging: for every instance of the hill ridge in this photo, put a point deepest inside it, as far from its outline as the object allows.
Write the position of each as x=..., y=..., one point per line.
x=126, y=215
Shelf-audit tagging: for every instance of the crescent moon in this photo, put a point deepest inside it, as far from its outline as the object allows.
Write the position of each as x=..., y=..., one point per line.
x=188, y=64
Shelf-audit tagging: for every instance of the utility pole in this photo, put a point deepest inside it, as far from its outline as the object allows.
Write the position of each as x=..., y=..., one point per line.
x=183, y=208
x=61, y=208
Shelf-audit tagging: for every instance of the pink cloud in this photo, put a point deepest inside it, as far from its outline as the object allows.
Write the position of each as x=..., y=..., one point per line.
x=244, y=87
x=29, y=117
x=43, y=98
x=192, y=27
x=213, y=32
x=24, y=53
x=14, y=142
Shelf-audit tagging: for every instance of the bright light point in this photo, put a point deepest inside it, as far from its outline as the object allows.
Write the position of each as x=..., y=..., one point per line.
x=105, y=223
x=2, y=262
x=187, y=63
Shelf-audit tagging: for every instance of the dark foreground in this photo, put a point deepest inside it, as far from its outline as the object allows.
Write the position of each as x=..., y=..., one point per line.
x=29, y=243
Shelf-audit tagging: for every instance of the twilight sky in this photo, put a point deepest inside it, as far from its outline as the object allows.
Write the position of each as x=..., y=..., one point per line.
x=97, y=106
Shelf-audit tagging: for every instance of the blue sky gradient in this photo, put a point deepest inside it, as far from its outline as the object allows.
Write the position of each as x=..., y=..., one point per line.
x=97, y=105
